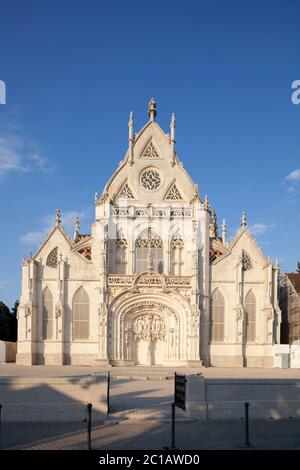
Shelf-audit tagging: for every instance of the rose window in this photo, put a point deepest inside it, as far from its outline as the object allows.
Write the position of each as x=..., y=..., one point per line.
x=150, y=179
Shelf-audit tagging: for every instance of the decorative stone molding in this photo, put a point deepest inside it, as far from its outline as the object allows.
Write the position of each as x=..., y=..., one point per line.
x=102, y=199
x=269, y=312
x=27, y=309
x=120, y=211
x=140, y=212
x=239, y=313
x=151, y=279
x=58, y=310
x=182, y=212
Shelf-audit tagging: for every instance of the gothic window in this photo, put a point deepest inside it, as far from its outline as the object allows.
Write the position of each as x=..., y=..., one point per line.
x=246, y=261
x=52, y=258
x=150, y=179
x=250, y=305
x=150, y=152
x=47, y=314
x=177, y=262
x=80, y=314
x=173, y=194
x=126, y=192
x=121, y=255
x=149, y=240
x=217, y=316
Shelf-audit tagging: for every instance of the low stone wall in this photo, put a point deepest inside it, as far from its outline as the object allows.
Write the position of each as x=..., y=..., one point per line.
x=225, y=398
x=53, y=399
x=8, y=351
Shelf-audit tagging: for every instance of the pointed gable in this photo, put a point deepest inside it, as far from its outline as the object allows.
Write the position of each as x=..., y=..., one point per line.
x=173, y=193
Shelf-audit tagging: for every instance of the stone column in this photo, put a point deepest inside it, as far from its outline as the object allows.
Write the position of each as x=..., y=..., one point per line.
x=202, y=273
x=60, y=313
x=276, y=305
x=27, y=328
x=102, y=357
x=240, y=314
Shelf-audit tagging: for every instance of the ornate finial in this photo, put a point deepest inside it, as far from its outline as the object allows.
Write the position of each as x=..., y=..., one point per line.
x=277, y=265
x=130, y=138
x=96, y=197
x=244, y=219
x=213, y=226
x=149, y=260
x=224, y=232
x=172, y=128
x=206, y=204
x=76, y=230
x=152, y=109
x=172, y=138
x=58, y=218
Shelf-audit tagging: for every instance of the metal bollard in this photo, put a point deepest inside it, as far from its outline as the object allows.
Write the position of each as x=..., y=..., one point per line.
x=89, y=425
x=108, y=392
x=0, y=419
x=247, y=442
x=173, y=427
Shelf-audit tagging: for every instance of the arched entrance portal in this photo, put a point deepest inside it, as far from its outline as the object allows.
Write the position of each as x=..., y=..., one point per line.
x=147, y=332
x=150, y=335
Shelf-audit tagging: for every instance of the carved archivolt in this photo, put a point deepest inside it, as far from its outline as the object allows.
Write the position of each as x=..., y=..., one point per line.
x=149, y=305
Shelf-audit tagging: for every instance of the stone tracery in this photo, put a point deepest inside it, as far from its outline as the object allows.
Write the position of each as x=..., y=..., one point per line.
x=150, y=152
x=150, y=179
x=52, y=258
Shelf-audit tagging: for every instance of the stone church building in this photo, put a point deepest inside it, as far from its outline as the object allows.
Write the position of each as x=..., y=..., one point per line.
x=154, y=283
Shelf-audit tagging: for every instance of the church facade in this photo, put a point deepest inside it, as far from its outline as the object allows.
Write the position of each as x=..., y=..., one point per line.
x=154, y=283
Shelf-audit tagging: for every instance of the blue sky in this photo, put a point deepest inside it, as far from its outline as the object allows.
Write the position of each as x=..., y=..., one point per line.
x=75, y=69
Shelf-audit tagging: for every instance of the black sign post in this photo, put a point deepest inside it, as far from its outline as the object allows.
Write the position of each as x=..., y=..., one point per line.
x=179, y=400
x=179, y=391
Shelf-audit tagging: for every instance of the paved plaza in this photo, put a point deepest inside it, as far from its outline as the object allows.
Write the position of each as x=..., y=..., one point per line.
x=130, y=435
x=14, y=370
x=140, y=404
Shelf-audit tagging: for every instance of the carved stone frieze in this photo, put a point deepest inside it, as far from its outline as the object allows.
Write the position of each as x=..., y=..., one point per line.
x=149, y=327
